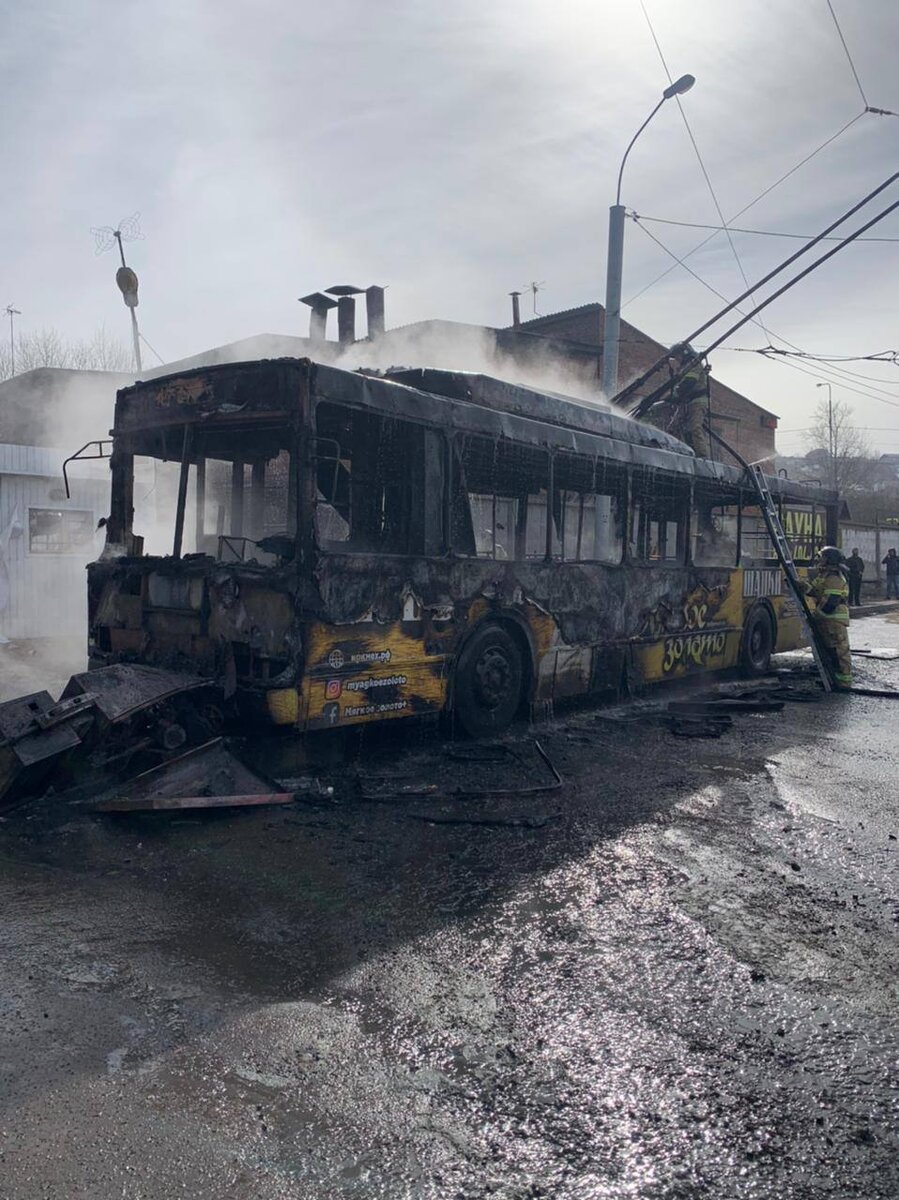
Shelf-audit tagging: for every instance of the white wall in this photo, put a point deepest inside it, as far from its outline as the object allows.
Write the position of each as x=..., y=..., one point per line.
x=45, y=594
x=865, y=537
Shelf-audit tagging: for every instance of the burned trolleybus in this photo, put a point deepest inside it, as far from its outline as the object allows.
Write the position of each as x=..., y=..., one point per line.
x=335, y=548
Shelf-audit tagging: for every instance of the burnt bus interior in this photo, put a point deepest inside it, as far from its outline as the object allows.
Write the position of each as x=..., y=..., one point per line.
x=384, y=485
x=387, y=486
x=209, y=491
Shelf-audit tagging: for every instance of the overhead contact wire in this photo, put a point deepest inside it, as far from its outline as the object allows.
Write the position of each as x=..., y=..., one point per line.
x=699, y=158
x=802, y=274
x=776, y=271
x=751, y=204
x=635, y=216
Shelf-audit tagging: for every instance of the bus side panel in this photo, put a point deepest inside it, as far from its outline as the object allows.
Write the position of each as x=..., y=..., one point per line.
x=789, y=626
x=369, y=672
x=686, y=653
x=701, y=631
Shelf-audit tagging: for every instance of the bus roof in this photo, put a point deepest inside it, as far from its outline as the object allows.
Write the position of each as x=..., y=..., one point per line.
x=549, y=407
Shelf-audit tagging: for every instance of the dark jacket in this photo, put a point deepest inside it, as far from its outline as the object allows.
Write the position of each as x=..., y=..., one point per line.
x=891, y=562
x=855, y=564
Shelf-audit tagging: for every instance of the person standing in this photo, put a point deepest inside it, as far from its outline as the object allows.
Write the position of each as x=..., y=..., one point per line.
x=690, y=397
x=855, y=564
x=830, y=592
x=891, y=562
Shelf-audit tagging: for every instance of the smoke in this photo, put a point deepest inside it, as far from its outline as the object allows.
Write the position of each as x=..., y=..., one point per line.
x=526, y=359
x=45, y=665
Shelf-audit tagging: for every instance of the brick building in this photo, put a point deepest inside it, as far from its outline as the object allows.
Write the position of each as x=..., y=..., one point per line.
x=748, y=427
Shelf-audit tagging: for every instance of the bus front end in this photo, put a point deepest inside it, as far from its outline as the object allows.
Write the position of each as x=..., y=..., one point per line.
x=201, y=571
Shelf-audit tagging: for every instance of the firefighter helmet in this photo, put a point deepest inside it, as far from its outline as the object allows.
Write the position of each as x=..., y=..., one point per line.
x=831, y=555
x=683, y=351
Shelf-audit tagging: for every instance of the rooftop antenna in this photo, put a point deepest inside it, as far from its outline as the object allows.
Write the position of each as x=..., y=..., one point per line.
x=534, y=287
x=12, y=313
x=105, y=237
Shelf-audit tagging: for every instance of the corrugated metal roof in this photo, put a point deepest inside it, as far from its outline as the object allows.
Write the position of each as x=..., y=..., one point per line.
x=46, y=462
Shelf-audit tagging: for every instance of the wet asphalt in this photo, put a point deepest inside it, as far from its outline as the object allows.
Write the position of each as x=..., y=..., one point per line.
x=674, y=977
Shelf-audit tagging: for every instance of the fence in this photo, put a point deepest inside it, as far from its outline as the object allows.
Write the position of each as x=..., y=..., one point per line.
x=872, y=542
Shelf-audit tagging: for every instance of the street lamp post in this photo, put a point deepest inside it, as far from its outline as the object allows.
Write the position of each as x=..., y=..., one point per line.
x=615, y=260
x=831, y=442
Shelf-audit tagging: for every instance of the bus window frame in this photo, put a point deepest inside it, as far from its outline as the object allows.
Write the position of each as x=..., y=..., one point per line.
x=620, y=495
x=702, y=486
x=427, y=427
x=459, y=483
x=685, y=485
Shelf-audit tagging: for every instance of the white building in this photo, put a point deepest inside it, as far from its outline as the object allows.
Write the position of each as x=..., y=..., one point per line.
x=46, y=540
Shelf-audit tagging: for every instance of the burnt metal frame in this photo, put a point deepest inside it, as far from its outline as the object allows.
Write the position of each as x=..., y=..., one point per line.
x=79, y=454
x=557, y=426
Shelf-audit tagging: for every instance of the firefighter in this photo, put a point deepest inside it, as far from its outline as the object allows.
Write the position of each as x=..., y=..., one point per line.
x=690, y=398
x=829, y=592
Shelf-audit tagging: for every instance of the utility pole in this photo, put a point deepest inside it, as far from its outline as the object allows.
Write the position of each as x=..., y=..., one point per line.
x=615, y=256
x=831, y=440
x=12, y=313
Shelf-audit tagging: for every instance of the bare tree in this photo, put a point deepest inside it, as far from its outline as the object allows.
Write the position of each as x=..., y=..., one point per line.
x=850, y=465
x=48, y=348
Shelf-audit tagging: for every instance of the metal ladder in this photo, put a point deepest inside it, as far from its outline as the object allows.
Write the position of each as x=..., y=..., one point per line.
x=782, y=549
x=784, y=555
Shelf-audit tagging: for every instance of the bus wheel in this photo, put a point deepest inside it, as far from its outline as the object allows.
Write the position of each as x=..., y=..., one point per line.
x=487, y=683
x=758, y=643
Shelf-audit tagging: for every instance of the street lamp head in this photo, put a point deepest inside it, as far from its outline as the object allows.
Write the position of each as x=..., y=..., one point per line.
x=679, y=86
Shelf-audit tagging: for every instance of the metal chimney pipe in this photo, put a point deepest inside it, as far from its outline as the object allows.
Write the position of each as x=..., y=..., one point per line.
x=374, y=308
x=516, y=309
x=318, y=317
x=346, y=320
x=318, y=324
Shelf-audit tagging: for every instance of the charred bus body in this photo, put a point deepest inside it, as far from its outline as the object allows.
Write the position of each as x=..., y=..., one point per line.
x=344, y=548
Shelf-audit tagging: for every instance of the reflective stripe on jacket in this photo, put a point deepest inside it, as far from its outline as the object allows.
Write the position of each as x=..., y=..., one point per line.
x=823, y=587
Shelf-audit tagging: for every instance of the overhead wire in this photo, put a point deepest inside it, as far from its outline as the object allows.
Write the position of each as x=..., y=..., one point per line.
x=768, y=351
x=699, y=158
x=735, y=229
x=868, y=108
x=687, y=365
x=777, y=270
x=884, y=356
x=774, y=351
x=746, y=208
x=149, y=347
x=858, y=82
x=839, y=374
x=863, y=428
x=846, y=387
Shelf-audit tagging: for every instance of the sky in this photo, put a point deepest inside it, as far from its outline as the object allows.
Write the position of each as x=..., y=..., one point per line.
x=454, y=150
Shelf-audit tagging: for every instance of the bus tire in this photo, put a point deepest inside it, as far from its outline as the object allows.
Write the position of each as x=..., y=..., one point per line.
x=757, y=645
x=487, y=683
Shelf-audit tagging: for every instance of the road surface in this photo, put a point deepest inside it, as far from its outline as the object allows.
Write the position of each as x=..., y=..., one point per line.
x=673, y=978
